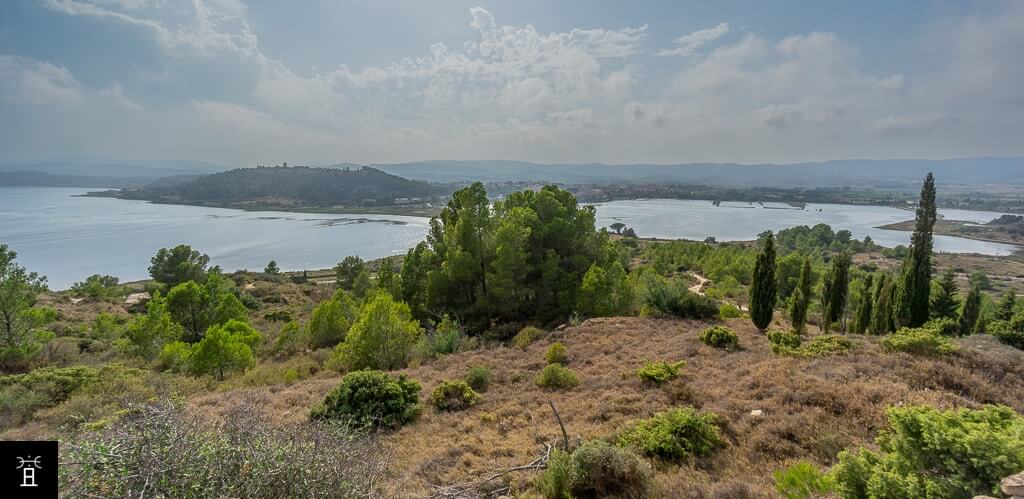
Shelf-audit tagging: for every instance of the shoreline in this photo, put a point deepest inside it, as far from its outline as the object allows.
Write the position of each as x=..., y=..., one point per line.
x=419, y=211
x=907, y=226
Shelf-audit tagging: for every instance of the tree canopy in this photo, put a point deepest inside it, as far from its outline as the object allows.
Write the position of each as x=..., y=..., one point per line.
x=516, y=260
x=171, y=267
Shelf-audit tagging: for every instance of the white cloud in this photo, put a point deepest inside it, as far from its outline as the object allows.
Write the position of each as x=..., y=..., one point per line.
x=686, y=45
x=514, y=92
x=27, y=81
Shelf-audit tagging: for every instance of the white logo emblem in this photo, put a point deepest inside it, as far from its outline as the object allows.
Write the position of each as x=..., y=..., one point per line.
x=28, y=467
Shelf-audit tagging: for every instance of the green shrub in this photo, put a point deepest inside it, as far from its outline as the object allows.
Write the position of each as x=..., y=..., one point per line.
x=786, y=343
x=331, y=320
x=555, y=482
x=453, y=396
x=371, y=399
x=526, y=336
x=557, y=377
x=802, y=480
x=720, y=337
x=447, y=337
x=675, y=434
x=828, y=344
x=783, y=342
x=936, y=454
x=1006, y=332
x=383, y=336
x=672, y=298
x=176, y=356
x=659, y=372
x=99, y=287
x=729, y=311
x=598, y=469
x=944, y=326
x=918, y=341
x=556, y=354
x=21, y=395
x=479, y=378
x=278, y=316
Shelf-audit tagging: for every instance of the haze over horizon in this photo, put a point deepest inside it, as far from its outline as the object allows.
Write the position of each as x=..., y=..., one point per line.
x=241, y=83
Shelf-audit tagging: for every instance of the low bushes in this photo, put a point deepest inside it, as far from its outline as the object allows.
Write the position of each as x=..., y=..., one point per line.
x=21, y=395
x=672, y=298
x=785, y=343
x=918, y=341
x=596, y=469
x=453, y=396
x=157, y=447
x=556, y=354
x=944, y=327
x=526, y=336
x=479, y=378
x=720, y=337
x=675, y=434
x=729, y=311
x=556, y=376
x=802, y=480
x=371, y=399
x=931, y=453
x=1006, y=332
x=659, y=372
x=829, y=344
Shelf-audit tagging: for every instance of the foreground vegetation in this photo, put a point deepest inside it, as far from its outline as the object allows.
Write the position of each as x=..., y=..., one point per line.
x=520, y=350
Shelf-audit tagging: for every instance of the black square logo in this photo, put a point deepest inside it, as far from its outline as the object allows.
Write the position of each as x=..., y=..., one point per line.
x=28, y=469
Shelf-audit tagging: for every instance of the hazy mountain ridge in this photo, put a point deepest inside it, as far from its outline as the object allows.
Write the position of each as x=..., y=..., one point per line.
x=875, y=173
x=114, y=168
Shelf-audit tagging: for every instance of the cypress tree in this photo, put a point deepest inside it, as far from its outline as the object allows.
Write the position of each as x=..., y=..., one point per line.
x=912, y=305
x=801, y=300
x=835, y=290
x=971, y=312
x=763, y=285
x=944, y=303
x=881, y=319
x=863, y=318
x=1007, y=306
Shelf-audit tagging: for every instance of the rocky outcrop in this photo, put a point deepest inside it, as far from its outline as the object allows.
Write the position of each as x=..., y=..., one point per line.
x=1013, y=486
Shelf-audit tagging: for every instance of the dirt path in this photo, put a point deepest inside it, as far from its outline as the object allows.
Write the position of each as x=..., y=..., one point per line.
x=701, y=281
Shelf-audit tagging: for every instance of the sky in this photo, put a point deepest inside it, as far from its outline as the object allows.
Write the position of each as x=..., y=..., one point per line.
x=242, y=82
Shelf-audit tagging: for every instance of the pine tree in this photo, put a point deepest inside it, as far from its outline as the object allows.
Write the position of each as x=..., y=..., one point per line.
x=835, y=290
x=971, y=312
x=763, y=285
x=801, y=300
x=881, y=318
x=912, y=304
x=1007, y=305
x=863, y=317
x=944, y=303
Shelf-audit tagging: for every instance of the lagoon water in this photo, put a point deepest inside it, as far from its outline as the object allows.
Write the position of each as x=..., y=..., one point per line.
x=68, y=238
x=692, y=219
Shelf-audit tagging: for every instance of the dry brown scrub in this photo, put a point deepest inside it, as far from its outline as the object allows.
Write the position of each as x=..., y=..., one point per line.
x=812, y=407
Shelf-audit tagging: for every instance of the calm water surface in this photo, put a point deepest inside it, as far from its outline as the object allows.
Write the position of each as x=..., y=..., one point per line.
x=68, y=238
x=690, y=219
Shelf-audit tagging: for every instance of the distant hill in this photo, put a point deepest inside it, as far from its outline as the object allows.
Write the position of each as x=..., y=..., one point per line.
x=887, y=173
x=297, y=186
